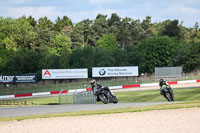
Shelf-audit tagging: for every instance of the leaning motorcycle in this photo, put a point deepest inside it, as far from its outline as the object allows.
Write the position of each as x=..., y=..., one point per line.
x=167, y=92
x=106, y=97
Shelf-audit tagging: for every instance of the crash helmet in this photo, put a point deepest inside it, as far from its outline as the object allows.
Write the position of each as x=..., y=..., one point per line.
x=92, y=82
x=161, y=82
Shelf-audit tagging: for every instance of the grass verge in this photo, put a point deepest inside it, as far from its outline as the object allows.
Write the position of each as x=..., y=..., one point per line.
x=190, y=104
x=189, y=94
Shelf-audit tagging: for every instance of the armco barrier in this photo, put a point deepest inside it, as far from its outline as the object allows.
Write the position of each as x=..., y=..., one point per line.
x=88, y=89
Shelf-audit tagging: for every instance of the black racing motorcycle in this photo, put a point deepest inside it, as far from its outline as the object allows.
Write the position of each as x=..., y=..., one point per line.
x=105, y=96
x=167, y=92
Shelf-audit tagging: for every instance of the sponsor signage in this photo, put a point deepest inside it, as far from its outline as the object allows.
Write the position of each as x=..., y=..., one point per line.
x=25, y=78
x=64, y=73
x=115, y=71
x=168, y=71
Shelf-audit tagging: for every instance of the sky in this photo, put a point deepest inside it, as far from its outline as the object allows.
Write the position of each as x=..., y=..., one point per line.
x=186, y=11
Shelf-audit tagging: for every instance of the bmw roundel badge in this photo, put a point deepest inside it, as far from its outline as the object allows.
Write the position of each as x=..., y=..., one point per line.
x=102, y=72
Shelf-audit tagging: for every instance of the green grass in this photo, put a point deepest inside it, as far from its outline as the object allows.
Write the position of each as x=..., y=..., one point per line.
x=36, y=101
x=49, y=100
x=154, y=95
x=125, y=97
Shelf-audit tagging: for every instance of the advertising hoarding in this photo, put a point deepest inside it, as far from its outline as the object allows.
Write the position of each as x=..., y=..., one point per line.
x=23, y=78
x=64, y=73
x=115, y=71
x=168, y=71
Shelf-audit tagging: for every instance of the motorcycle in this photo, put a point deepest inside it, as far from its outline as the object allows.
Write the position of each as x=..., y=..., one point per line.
x=167, y=92
x=105, y=96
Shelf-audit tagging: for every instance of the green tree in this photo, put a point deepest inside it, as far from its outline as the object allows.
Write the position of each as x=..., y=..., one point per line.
x=156, y=52
x=8, y=29
x=146, y=23
x=17, y=34
x=83, y=57
x=48, y=60
x=32, y=21
x=172, y=29
x=25, y=36
x=44, y=39
x=110, y=57
x=100, y=26
x=61, y=44
x=185, y=35
x=45, y=23
x=113, y=23
x=108, y=41
x=114, y=20
x=88, y=32
x=191, y=57
x=137, y=31
x=62, y=23
x=104, y=57
x=9, y=43
x=124, y=37
x=77, y=36
x=4, y=57
x=132, y=55
x=195, y=33
x=83, y=34
x=22, y=61
x=64, y=61
x=2, y=34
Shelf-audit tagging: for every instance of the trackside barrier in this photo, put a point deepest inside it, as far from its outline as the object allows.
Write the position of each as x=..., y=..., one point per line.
x=89, y=89
x=83, y=97
x=59, y=95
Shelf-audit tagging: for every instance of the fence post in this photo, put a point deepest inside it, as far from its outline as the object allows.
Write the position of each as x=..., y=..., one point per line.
x=73, y=95
x=66, y=97
x=60, y=95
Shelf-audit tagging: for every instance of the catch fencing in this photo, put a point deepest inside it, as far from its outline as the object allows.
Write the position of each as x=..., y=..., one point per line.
x=77, y=97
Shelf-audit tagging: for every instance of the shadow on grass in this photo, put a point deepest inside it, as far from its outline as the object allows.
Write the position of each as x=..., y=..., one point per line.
x=51, y=104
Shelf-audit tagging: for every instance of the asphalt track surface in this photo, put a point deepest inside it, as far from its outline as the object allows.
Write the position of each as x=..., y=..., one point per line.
x=50, y=109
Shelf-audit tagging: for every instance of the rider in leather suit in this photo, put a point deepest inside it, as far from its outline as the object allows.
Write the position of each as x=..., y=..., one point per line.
x=162, y=89
x=96, y=87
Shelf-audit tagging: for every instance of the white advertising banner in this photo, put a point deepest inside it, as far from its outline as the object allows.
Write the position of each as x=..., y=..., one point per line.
x=64, y=73
x=115, y=71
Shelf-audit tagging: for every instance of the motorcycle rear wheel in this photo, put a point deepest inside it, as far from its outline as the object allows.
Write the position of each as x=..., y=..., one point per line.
x=103, y=98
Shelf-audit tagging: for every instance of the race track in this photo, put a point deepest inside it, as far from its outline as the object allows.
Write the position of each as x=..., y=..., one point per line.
x=49, y=109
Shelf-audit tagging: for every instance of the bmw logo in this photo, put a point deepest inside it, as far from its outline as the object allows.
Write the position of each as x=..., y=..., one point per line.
x=102, y=72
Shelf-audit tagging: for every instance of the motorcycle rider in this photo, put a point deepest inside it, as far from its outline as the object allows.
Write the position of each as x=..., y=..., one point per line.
x=164, y=85
x=96, y=87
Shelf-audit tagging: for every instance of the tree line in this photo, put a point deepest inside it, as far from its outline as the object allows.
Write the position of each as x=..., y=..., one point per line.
x=28, y=45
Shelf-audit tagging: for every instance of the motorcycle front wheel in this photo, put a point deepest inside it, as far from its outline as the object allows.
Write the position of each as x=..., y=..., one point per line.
x=167, y=96
x=115, y=100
